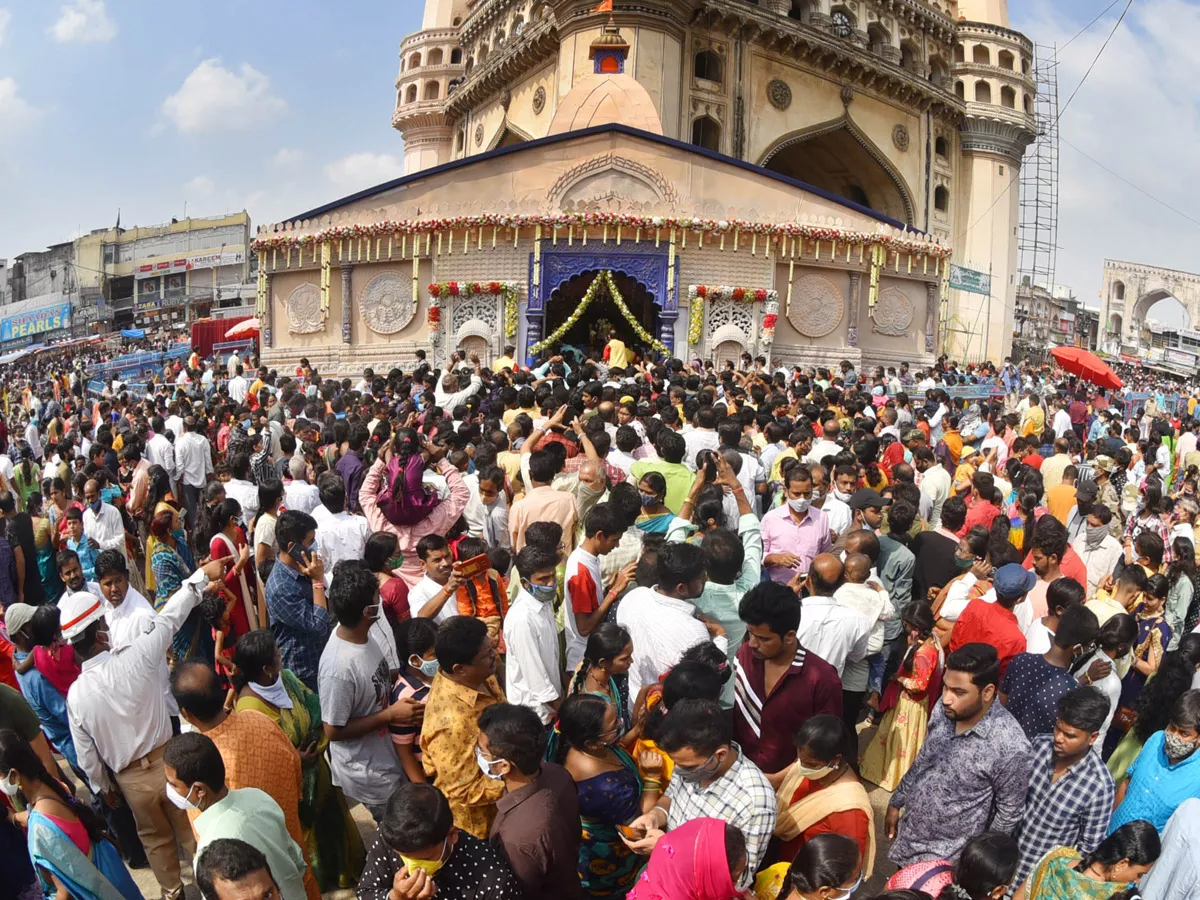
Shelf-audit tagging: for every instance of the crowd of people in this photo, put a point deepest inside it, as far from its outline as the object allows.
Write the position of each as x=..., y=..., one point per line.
x=598, y=628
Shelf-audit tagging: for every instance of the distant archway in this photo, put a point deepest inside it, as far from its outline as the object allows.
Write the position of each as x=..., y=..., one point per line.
x=1162, y=308
x=840, y=159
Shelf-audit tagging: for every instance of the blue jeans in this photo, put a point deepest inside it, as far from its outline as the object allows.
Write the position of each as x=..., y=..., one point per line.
x=883, y=665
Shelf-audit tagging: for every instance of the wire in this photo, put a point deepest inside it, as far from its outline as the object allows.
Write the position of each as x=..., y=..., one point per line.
x=1129, y=183
x=1086, y=27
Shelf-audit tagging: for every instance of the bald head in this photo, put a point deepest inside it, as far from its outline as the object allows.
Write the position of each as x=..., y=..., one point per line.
x=824, y=575
x=605, y=410
x=298, y=468
x=864, y=542
x=197, y=689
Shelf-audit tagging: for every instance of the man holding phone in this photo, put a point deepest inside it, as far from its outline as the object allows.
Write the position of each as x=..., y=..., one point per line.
x=296, y=601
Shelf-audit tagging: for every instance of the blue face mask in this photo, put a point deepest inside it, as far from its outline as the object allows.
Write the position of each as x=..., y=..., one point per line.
x=96, y=506
x=649, y=499
x=908, y=457
x=428, y=667
x=543, y=593
x=246, y=424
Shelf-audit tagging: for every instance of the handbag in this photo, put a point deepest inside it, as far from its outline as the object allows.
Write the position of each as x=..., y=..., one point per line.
x=1124, y=717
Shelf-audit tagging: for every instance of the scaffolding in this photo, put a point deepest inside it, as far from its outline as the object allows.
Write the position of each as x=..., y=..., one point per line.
x=1037, y=243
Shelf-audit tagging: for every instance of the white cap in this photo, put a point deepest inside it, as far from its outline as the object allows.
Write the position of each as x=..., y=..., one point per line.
x=77, y=611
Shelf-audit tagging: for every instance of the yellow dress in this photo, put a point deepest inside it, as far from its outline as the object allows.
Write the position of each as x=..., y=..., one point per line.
x=902, y=732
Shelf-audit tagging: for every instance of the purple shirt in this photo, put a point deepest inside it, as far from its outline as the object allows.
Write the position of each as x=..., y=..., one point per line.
x=351, y=468
x=781, y=533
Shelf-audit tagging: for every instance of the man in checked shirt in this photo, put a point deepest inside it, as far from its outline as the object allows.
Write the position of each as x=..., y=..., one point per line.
x=1070, y=796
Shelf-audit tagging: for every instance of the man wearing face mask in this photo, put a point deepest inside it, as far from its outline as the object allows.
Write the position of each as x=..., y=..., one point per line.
x=421, y=854
x=120, y=721
x=537, y=820
x=1097, y=547
x=795, y=532
x=195, y=775
x=354, y=678
x=1166, y=772
x=255, y=751
x=1034, y=682
x=533, y=666
x=712, y=778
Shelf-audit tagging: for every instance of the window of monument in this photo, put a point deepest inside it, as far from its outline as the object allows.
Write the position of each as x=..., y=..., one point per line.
x=961, y=90
x=708, y=66
x=432, y=90
x=455, y=57
x=1008, y=97
x=434, y=58
x=939, y=146
x=981, y=55
x=1119, y=290
x=706, y=133
x=983, y=92
x=941, y=198
x=411, y=95
x=1006, y=60
x=414, y=61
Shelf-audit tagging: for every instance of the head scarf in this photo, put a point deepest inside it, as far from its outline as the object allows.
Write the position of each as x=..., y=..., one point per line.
x=688, y=863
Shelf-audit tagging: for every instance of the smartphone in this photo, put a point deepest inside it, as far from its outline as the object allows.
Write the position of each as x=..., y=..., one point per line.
x=474, y=567
x=633, y=834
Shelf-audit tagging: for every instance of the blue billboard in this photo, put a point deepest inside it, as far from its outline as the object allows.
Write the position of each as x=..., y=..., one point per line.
x=37, y=321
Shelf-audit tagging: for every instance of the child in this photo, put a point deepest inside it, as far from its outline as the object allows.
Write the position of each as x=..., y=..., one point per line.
x=418, y=665
x=485, y=596
x=84, y=547
x=871, y=602
x=214, y=610
x=52, y=656
x=403, y=499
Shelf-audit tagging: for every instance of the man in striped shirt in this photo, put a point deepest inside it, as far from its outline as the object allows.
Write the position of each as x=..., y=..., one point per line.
x=779, y=685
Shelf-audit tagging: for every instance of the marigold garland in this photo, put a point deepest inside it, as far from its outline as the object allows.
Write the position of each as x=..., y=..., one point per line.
x=602, y=279
x=699, y=294
x=505, y=289
x=906, y=242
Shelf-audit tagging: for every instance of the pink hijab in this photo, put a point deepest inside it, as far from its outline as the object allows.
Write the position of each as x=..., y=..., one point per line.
x=688, y=863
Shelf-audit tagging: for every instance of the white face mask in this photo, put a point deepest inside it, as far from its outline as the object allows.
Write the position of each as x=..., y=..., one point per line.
x=10, y=786
x=841, y=495
x=485, y=765
x=814, y=774
x=800, y=505
x=274, y=693
x=849, y=892
x=179, y=800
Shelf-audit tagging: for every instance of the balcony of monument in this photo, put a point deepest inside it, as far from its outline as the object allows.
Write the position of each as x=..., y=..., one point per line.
x=536, y=44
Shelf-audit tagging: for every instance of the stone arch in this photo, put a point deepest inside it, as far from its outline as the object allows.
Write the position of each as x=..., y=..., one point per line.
x=706, y=133
x=455, y=56
x=707, y=65
x=1118, y=290
x=1115, y=323
x=475, y=328
x=434, y=57
x=1008, y=97
x=414, y=61
x=433, y=90
x=410, y=94
x=837, y=156
x=730, y=332
x=610, y=175
x=1146, y=301
x=981, y=55
x=983, y=92
x=1005, y=60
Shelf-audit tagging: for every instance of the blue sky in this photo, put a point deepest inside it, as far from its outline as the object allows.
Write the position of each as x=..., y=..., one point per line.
x=276, y=107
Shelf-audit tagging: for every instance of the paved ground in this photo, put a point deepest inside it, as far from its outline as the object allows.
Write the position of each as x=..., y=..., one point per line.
x=879, y=798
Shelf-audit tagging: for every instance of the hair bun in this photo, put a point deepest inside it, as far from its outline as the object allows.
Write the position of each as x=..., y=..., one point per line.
x=954, y=892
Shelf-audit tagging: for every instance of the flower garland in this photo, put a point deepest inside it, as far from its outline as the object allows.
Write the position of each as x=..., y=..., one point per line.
x=698, y=294
x=435, y=313
x=898, y=241
x=506, y=289
x=603, y=279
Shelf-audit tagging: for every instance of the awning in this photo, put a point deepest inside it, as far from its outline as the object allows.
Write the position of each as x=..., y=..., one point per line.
x=19, y=354
x=133, y=333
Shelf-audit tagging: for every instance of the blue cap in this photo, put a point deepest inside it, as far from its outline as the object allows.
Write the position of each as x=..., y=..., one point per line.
x=1013, y=580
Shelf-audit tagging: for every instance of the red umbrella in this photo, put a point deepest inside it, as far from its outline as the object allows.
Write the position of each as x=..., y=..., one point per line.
x=1088, y=366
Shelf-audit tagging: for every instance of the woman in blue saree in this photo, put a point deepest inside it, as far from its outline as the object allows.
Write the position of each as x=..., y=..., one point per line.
x=67, y=843
x=655, y=517
x=611, y=793
x=171, y=563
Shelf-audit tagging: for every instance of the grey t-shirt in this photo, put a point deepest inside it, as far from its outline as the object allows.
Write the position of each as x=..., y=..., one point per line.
x=353, y=682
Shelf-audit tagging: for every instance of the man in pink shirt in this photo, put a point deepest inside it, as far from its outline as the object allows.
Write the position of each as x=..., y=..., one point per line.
x=795, y=532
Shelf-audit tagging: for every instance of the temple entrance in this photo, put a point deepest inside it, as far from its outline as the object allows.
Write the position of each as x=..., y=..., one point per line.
x=588, y=335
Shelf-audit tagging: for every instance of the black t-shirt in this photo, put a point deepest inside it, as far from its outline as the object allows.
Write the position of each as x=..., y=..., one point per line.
x=20, y=534
x=934, y=565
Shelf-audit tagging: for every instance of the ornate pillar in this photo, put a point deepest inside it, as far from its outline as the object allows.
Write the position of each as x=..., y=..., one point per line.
x=932, y=300
x=268, y=335
x=347, y=300
x=855, y=290
x=666, y=331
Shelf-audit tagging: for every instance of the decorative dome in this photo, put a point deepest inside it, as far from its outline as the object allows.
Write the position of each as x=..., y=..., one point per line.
x=607, y=95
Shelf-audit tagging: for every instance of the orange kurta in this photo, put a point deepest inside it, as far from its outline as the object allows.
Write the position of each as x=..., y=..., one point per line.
x=257, y=754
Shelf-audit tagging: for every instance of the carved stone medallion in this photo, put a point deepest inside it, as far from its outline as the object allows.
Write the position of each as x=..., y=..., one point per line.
x=303, y=307
x=387, y=303
x=900, y=138
x=893, y=312
x=779, y=94
x=539, y=101
x=817, y=306
x=479, y=135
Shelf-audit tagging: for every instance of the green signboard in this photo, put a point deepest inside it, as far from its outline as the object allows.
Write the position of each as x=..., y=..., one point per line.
x=971, y=281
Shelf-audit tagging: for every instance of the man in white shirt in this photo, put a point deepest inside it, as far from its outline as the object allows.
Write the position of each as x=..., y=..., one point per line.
x=120, y=721
x=621, y=456
x=233, y=364
x=935, y=483
x=34, y=439
x=834, y=632
x=193, y=460
x=238, y=387
x=448, y=395
x=298, y=494
x=340, y=535
x=661, y=620
x=702, y=437
x=533, y=667
x=433, y=596
x=1096, y=546
x=1062, y=422
x=160, y=451
x=241, y=488
x=102, y=522
x=827, y=444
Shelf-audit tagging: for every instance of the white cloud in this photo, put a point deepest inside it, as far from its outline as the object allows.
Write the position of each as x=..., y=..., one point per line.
x=200, y=186
x=287, y=158
x=83, y=22
x=213, y=98
x=16, y=114
x=1133, y=116
x=5, y=18
x=363, y=170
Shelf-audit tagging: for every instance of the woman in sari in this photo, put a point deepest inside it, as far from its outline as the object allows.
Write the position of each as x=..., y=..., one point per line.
x=611, y=793
x=332, y=840
x=1153, y=636
x=60, y=502
x=1111, y=870
x=655, y=517
x=604, y=670
x=43, y=540
x=230, y=540
x=171, y=563
x=70, y=850
x=821, y=792
x=971, y=559
x=700, y=860
x=906, y=702
x=27, y=478
x=159, y=498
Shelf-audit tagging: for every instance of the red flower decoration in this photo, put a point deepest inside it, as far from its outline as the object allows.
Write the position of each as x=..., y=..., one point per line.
x=760, y=295
x=769, y=320
x=435, y=314
x=701, y=291
x=453, y=286
x=435, y=290
x=739, y=294
x=494, y=287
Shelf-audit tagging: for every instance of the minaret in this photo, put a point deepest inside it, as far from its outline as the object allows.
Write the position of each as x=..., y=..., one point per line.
x=993, y=74
x=431, y=61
